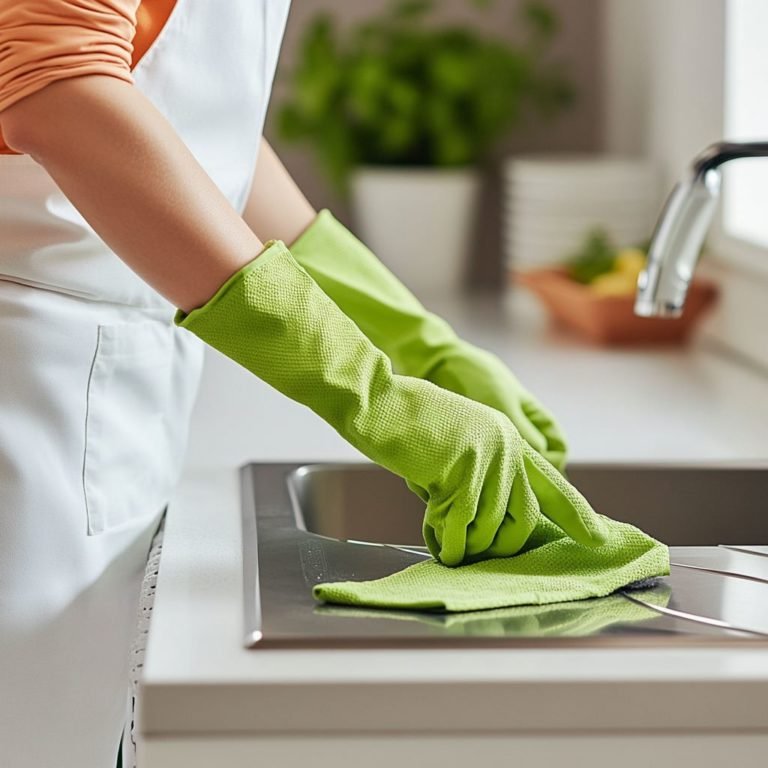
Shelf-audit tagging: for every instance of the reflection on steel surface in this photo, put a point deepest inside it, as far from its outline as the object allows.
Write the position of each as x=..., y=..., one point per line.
x=308, y=524
x=693, y=617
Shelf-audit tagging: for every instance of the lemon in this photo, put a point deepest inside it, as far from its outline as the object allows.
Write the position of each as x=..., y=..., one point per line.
x=630, y=261
x=615, y=284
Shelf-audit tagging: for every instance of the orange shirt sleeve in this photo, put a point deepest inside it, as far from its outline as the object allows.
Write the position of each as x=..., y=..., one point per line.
x=42, y=41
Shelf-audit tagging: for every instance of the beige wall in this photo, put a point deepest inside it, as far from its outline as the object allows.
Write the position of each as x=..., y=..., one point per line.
x=671, y=55
x=579, y=129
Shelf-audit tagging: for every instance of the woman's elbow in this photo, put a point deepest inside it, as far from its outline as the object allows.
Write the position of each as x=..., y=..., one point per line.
x=23, y=129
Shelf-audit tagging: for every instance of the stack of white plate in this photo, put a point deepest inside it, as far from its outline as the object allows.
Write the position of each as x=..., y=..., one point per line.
x=553, y=203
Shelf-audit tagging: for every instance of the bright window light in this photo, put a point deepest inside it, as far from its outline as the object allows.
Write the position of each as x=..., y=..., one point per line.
x=745, y=192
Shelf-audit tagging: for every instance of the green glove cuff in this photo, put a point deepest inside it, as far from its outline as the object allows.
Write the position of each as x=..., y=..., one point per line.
x=271, y=318
x=385, y=310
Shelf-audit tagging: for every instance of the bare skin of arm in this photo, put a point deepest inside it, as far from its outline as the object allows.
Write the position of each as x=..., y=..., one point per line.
x=122, y=165
x=276, y=207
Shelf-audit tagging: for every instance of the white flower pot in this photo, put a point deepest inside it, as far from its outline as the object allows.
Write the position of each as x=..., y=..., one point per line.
x=418, y=222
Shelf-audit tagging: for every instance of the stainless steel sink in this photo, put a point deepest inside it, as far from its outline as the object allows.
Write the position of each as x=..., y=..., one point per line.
x=305, y=524
x=678, y=505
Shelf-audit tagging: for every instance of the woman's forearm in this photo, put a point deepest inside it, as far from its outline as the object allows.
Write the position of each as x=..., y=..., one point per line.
x=276, y=207
x=122, y=165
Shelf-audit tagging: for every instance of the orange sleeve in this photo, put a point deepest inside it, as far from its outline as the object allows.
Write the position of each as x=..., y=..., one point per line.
x=42, y=41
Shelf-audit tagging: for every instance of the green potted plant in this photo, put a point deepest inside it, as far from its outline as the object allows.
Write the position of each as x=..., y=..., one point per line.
x=399, y=111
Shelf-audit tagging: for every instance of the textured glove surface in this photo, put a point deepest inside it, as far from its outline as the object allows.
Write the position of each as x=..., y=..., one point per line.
x=481, y=376
x=485, y=488
x=418, y=342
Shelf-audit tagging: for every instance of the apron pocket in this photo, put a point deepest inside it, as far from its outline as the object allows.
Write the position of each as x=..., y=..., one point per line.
x=127, y=465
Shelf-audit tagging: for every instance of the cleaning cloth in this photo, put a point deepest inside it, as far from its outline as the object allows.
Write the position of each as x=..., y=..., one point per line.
x=570, y=619
x=484, y=487
x=418, y=342
x=551, y=568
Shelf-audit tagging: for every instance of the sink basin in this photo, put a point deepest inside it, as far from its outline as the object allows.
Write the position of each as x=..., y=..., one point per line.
x=677, y=505
x=304, y=524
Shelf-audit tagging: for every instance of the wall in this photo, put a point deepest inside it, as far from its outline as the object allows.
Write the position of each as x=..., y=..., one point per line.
x=578, y=130
x=664, y=79
x=664, y=99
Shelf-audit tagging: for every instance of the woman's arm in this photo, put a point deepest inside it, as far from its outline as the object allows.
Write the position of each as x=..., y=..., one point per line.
x=67, y=99
x=276, y=207
x=121, y=164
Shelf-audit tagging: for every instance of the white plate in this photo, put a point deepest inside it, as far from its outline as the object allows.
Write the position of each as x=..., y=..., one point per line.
x=543, y=233
x=595, y=190
x=621, y=238
x=578, y=167
x=572, y=207
x=566, y=221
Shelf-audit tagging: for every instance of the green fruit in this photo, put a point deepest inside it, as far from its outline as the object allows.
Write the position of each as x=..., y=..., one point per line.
x=596, y=257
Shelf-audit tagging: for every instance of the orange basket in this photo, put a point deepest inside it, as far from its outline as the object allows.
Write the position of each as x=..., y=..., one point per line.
x=611, y=319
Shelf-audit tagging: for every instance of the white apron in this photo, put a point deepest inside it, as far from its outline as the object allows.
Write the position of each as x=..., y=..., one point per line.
x=96, y=389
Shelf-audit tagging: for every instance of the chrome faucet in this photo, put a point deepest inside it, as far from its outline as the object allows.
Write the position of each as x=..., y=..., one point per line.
x=682, y=227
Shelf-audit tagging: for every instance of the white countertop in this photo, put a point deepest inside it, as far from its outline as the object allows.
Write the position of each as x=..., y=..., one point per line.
x=626, y=406
x=620, y=405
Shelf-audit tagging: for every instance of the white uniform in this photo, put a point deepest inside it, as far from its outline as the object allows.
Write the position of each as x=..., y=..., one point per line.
x=96, y=388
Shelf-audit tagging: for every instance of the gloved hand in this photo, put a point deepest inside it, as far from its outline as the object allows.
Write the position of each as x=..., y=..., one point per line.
x=481, y=376
x=484, y=487
x=419, y=343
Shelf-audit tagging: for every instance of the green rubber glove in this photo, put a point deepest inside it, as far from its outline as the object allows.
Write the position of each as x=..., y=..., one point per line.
x=419, y=343
x=485, y=487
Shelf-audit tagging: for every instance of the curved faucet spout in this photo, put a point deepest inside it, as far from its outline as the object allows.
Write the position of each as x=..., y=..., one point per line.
x=682, y=227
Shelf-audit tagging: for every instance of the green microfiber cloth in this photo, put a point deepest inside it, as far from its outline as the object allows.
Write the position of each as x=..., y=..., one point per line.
x=571, y=619
x=552, y=568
